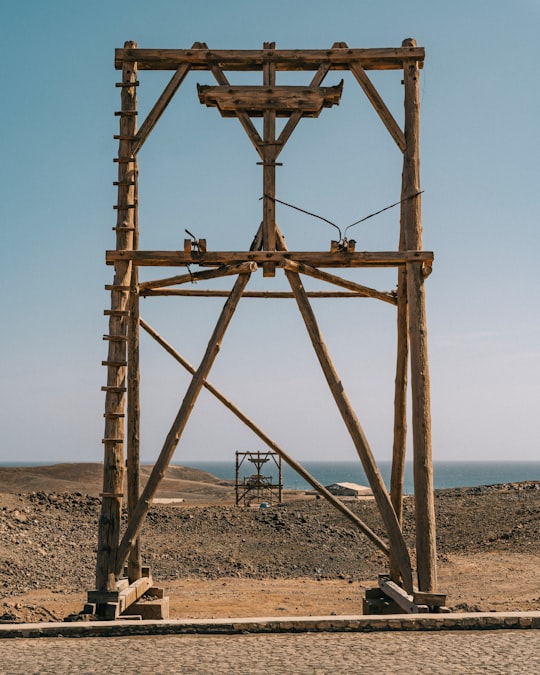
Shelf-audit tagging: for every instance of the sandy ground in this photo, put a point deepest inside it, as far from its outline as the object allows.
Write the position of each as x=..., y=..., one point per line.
x=488, y=553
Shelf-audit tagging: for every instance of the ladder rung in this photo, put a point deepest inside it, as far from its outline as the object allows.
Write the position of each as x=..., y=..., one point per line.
x=127, y=206
x=135, y=83
x=112, y=440
x=114, y=364
x=123, y=228
x=113, y=416
x=126, y=113
x=112, y=287
x=116, y=312
x=123, y=160
x=115, y=338
x=123, y=182
x=120, y=137
x=114, y=390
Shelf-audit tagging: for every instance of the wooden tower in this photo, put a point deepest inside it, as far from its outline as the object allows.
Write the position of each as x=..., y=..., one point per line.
x=268, y=253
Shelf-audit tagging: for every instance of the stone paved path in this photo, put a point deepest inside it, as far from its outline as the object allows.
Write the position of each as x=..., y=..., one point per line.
x=448, y=652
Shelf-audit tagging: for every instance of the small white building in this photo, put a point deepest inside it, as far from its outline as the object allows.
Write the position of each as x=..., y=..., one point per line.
x=345, y=490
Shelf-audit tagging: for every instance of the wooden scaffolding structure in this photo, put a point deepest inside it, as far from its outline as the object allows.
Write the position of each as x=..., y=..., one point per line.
x=267, y=252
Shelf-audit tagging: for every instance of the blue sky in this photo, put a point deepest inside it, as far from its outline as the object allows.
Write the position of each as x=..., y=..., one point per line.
x=480, y=175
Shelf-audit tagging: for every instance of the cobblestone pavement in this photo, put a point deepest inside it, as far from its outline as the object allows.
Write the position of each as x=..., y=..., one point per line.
x=470, y=652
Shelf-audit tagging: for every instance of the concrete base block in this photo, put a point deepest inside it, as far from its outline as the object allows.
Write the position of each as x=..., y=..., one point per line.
x=151, y=609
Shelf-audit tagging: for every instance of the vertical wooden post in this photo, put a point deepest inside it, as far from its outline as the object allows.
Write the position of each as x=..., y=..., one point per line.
x=113, y=468
x=280, y=479
x=426, y=554
x=133, y=404
x=400, y=410
x=173, y=437
x=269, y=169
x=237, y=476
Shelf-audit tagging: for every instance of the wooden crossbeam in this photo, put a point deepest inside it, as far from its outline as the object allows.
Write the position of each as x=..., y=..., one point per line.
x=314, y=258
x=393, y=528
x=271, y=443
x=173, y=437
x=345, y=283
x=159, y=108
x=380, y=106
x=225, y=270
x=254, y=59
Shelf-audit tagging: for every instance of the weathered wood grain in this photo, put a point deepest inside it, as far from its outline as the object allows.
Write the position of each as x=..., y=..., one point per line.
x=254, y=59
x=426, y=553
x=113, y=464
x=314, y=258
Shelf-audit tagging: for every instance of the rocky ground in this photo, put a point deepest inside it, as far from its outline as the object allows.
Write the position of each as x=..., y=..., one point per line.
x=488, y=545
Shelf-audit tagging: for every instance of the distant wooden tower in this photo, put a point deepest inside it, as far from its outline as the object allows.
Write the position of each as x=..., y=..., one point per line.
x=268, y=253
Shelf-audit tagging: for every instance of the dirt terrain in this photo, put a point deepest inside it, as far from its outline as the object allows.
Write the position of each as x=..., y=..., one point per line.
x=214, y=560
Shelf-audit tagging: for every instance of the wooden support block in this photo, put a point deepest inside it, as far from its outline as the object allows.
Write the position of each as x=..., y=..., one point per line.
x=102, y=597
x=121, y=584
x=114, y=603
x=187, y=245
x=376, y=602
x=151, y=610
x=110, y=612
x=431, y=599
x=133, y=592
x=400, y=596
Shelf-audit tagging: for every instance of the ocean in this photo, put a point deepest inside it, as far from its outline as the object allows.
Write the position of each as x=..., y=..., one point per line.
x=445, y=474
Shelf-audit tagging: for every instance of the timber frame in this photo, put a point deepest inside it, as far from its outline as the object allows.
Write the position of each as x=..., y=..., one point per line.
x=256, y=487
x=268, y=253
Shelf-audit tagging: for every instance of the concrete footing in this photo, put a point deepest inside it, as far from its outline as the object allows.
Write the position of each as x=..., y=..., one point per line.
x=295, y=624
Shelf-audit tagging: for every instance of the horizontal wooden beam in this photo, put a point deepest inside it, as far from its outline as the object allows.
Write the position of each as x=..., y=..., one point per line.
x=147, y=293
x=282, y=100
x=314, y=258
x=282, y=59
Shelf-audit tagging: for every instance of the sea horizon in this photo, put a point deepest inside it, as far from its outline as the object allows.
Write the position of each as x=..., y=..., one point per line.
x=446, y=474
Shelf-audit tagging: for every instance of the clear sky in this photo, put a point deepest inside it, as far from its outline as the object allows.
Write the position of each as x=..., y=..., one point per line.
x=480, y=173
